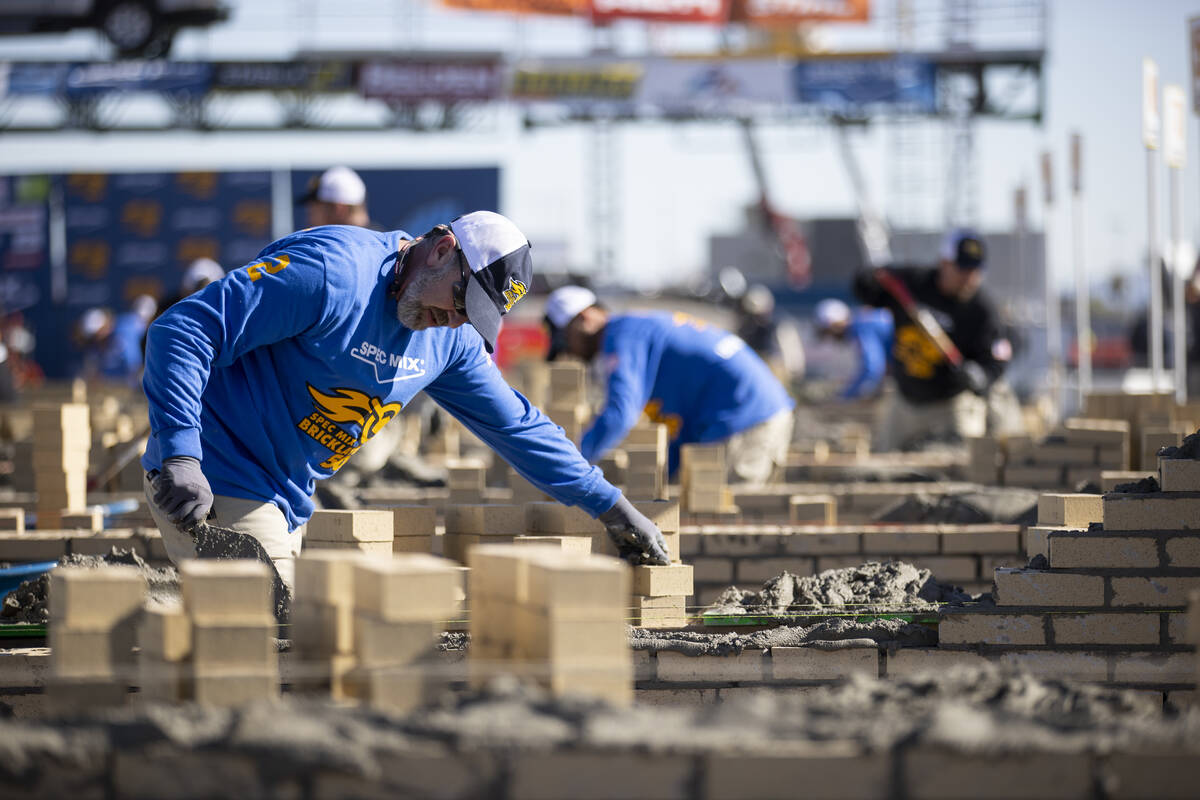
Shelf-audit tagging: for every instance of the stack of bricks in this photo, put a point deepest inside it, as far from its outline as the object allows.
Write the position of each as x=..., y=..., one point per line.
x=1155, y=414
x=470, y=525
x=1074, y=453
x=812, y=509
x=365, y=530
x=855, y=501
x=568, y=405
x=93, y=616
x=413, y=528
x=164, y=653
x=233, y=654
x=702, y=481
x=557, y=618
x=522, y=490
x=1154, y=438
x=60, y=460
x=646, y=451
x=322, y=621
x=399, y=608
x=466, y=479
x=553, y=519
x=660, y=596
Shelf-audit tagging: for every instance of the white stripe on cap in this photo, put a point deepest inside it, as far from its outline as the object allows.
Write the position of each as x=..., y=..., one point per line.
x=485, y=237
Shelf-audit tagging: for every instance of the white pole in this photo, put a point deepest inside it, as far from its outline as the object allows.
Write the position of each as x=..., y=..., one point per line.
x=1156, y=295
x=1179, y=323
x=1054, y=344
x=1083, y=295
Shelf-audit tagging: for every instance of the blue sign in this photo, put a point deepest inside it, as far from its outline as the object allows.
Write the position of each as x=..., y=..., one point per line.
x=900, y=84
x=175, y=77
x=32, y=78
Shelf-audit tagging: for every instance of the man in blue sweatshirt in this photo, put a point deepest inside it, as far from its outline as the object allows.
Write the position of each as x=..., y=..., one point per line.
x=703, y=382
x=269, y=379
x=871, y=331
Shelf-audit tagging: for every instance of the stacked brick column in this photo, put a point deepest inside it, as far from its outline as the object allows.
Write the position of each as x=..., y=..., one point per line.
x=466, y=479
x=367, y=531
x=62, y=441
x=522, y=490
x=1077, y=451
x=93, y=616
x=702, y=481
x=469, y=525
x=413, y=528
x=660, y=596
x=234, y=658
x=568, y=405
x=818, y=509
x=322, y=623
x=165, y=650
x=646, y=450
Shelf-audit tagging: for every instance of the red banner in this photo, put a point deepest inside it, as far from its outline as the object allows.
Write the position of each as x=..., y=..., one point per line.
x=792, y=12
x=553, y=7
x=713, y=12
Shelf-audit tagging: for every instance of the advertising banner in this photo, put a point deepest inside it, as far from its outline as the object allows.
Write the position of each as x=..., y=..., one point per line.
x=560, y=8
x=24, y=242
x=1151, y=118
x=854, y=86
x=793, y=12
x=715, y=87
x=712, y=12
x=1194, y=38
x=414, y=81
x=32, y=78
x=314, y=76
x=1174, y=114
x=576, y=80
x=176, y=77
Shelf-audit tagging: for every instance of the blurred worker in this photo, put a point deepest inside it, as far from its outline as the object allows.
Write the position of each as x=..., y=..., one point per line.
x=937, y=398
x=112, y=345
x=337, y=197
x=777, y=343
x=704, y=383
x=268, y=380
x=870, y=329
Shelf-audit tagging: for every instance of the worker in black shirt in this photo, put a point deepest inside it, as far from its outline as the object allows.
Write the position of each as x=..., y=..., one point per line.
x=947, y=352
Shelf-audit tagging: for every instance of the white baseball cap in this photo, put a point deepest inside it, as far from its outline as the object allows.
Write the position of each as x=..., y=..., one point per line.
x=200, y=273
x=340, y=185
x=564, y=304
x=832, y=312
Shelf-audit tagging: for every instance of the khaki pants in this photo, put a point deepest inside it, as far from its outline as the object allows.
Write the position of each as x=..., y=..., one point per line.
x=903, y=424
x=264, y=521
x=755, y=455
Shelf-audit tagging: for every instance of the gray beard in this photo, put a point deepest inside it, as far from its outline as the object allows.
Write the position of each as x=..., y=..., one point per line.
x=410, y=312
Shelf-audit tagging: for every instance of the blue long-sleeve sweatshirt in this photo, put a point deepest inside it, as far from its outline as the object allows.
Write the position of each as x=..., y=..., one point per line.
x=871, y=330
x=703, y=382
x=276, y=374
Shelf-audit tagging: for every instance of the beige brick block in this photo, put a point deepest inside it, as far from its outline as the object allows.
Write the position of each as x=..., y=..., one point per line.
x=1069, y=666
x=226, y=589
x=412, y=544
x=1070, y=510
x=663, y=513
x=753, y=571
x=675, y=580
x=379, y=643
x=1179, y=475
x=997, y=629
x=33, y=546
x=233, y=690
x=1151, y=774
x=579, y=545
x=411, y=588
x=413, y=520
x=819, y=664
x=1003, y=539
x=1135, y=628
x=919, y=661
x=1067, y=454
x=466, y=473
x=600, y=776
x=1154, y=668
x=825, y=769
x=820, y=509
x=458, y=546
x=164, y=632
x=575, y=582
x=502, y=571
x=1183, y=551
x=12, y=519
x=326, y=577
x=805, y=541
x=1027, y=587
x=1037, y=541
x=701, y=455
x=712, y=570
x=90, y=653
x=1034, y=476
x=660, y=612
x=322, y=629
x=220, y=648
x=559, y=520
x=569, y=642
x=486, y=519
x=85, y=598
x=1147, y=512
x=392, y=690
x=749, y=541
x=1153, y=592
x=92, y=520
x=1111, y=479
x=749, y=665
x=899, y=542
x=937, y=774
x=162, y=681
x=361, y=525
x=675, y=698
x=371, y=549
x=1088, y=550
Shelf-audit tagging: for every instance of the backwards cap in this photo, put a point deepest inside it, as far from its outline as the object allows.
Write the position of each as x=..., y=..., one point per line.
x=501, y=268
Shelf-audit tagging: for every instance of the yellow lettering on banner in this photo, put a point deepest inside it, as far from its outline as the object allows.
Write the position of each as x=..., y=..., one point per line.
x=271, y=265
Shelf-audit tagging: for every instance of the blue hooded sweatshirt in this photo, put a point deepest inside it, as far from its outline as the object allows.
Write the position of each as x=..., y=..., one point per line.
x=279, y=372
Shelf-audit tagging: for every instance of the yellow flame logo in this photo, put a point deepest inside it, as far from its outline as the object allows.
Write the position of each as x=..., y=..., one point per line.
x=515, y=291
x=353, y=406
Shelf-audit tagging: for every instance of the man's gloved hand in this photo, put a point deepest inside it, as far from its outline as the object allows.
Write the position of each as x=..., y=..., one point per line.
x=182, y=492
x=638, y=540
x=975, y=377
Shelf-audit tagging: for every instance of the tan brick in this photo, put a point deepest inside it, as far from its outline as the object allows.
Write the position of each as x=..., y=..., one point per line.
x=819, y=664
x=236, y=589
x=689, y=543
x=557, y=520
x=1154, y=668
x=413, y=520
x=576, y=582
x=412, y=544
x=758, y=570
x=486, y=519
x=101, y=543
x=1002, y=629
x=1177, y=627
x=888, y=542
x=1183, y=551
x=660, y=612
x=757, y=542
x=1148, y=512
x=1133, y=628
x=825, y=769
x=600, y=776
x=379, y=643
x=457, y=546
x=1070, y=510
x=409, y=588
x=365, y=525
x=820, y=509
x=1095, y=550
x=579, y=545
x=219, y=648
x=12, y=519
x=321, y=629
x=1179, y=475
x=712, y=570
x=374, y=550
x=815, y=541
x=1034, y=476
x=326, y=576
x=92, y=520
x=1151, y=774
x=675, y=580
x=919, y=660
x=675, y=698
x=1027, y=587
x=1070, y=455
x=1155, y=592
x=948, y=568
x=1111, y=479
x=95, y=599
x=1070, y=666
x=936, y=774
x=663, y=513
x=996, y=540
x=577, y=645
x=164, y=632
x=749, y=665
x=232, y=690
x=1037, y=541
x=502, y=571
x=95, y=653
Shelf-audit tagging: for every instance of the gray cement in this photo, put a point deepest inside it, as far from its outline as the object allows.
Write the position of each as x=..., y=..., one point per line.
x=828, y=634
x=1006, y=505
x=1190, y=448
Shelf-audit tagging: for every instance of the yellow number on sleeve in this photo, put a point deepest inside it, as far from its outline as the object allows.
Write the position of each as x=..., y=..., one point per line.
x=272, y=265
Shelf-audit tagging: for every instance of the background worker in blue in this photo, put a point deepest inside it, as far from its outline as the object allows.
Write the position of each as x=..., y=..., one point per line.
x=870, y=330
x=704, y=383
x=267, y=380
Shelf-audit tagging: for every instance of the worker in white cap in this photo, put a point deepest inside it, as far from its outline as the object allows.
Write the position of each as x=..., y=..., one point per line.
x=870, y=330
x=704, y=383
x=268, y=380
x=337, y=197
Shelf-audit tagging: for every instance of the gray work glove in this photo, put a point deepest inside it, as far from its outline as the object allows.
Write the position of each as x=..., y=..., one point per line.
x=182, y=492
x=975, y=377
x=638, y=540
